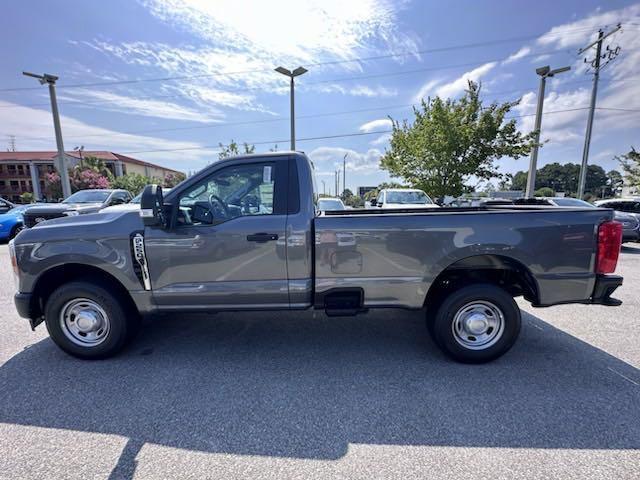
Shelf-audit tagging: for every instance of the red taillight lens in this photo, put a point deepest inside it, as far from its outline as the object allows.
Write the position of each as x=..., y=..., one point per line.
x=609, y=241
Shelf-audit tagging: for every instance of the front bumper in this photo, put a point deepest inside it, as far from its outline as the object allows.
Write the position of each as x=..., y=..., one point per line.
x=605, y=286
x=27, y=309
x=23, y=304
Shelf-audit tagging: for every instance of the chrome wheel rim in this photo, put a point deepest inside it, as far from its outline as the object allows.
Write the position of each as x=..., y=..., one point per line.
x=84, y=322
x=478, y=325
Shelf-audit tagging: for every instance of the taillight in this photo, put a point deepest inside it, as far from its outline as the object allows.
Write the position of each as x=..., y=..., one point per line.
x=609, y=241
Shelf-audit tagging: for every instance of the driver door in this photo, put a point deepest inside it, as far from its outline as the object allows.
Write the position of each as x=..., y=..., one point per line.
x=220, y=250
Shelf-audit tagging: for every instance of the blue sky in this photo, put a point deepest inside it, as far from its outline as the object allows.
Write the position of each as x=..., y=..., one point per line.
x=212, y=63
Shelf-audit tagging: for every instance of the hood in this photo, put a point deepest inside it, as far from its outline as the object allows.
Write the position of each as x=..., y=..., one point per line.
x=92, y=225
x=125, y=207
x=65, y=207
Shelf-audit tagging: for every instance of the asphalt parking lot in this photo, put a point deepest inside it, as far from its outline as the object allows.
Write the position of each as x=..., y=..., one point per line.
x=301, y=396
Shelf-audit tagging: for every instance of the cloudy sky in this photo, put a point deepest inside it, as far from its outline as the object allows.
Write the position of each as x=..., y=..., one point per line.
x=166, y=81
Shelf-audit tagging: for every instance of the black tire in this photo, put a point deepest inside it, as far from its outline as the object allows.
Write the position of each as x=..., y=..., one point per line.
x=122, y=319
x=490, y=303
x=16, y=230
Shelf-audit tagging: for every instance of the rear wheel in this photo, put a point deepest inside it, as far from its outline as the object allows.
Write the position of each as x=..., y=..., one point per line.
x=476, y=324
x=87, y=321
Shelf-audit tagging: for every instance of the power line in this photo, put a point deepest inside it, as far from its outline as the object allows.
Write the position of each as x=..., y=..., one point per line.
x=326, y=137
x=274, y=120
x=313, y=64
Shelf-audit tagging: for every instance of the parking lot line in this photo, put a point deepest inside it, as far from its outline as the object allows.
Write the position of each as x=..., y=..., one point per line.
x=624, y=376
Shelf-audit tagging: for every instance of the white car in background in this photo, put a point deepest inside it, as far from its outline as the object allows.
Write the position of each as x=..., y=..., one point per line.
x=403, y=198
x=134, y=204
x=330, y=203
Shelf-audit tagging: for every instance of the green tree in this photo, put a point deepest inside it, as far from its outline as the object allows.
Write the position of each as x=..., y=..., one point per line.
x=544, y=192
x=614, y=182
x=233, y=149
x=374, y=193
x=451, y=140
x=564, y=178
x=133, y=182
x=630, y=163
x=173, y=179
x=94, y=163
x=27, y=197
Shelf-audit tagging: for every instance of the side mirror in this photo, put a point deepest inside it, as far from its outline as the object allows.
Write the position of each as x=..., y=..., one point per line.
x=152, y=206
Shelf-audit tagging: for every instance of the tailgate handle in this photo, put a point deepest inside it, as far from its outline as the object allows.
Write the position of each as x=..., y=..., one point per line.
x=262, y=237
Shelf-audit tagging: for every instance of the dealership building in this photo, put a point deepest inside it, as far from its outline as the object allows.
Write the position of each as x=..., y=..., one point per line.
x=22, y=172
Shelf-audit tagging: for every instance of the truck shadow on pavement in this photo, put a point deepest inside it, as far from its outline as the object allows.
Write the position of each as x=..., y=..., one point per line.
x=291, y=385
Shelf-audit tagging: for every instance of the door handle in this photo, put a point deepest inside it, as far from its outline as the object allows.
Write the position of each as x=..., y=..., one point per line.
x=262, y=237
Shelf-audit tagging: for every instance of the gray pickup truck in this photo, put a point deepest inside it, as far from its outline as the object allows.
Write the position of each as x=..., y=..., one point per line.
x=245, y=234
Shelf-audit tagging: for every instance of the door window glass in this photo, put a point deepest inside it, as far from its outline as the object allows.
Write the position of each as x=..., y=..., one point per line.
x=235, y=191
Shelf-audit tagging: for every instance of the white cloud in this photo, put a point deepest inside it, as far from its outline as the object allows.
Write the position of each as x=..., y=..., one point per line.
x=356, y=91
x=426, y=90
x=381, y=140
x=152, y=108
x=373, y=125
x=33, y=130
x=330, y=159
x=303, y=30
x=524, y=51
x=462, y=82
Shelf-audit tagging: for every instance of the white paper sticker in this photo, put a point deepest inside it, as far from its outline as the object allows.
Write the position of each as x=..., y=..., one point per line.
x=266, y=174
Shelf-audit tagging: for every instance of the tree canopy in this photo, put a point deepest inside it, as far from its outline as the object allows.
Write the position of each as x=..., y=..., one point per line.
x=630, y=163
x=452, y=140
x=234, y=149
x=564, y=178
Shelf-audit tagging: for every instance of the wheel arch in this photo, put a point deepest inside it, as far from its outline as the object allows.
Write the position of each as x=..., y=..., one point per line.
x=500, y=270
x=59, y=275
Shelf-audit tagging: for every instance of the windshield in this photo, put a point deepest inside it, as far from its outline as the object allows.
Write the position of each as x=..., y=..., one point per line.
x=88, y=196
x=572, y=202
x=137, y=198
x=409, y=197
x=330, y=204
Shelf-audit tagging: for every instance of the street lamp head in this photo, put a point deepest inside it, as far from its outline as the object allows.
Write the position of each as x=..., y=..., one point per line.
x=283, y=71
x=543, y=71
x=558, y=70
x=44, y=78
x=299, y=71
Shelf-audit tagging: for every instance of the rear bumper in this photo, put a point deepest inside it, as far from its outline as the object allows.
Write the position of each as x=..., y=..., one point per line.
x=605, y=286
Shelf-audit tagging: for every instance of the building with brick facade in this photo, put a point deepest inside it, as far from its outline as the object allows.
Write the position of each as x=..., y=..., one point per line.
x=22, y=172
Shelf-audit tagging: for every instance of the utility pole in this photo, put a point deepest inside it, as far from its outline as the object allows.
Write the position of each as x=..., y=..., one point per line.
x=344, y=173
x=50, y=80
x=544, y=72
x=595, y=63
x=324, y=187
x=12, y=143
x=297, y=72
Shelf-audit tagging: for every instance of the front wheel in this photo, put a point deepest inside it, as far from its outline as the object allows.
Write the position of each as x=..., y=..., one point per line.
x=477, y=323
x=87, y=321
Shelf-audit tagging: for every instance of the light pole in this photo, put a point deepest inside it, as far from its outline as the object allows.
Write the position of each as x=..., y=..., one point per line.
x=344, y=173
x=80, y=149
x=544, y=72
x=50, y=80
x=324, y=187
x=297, y=72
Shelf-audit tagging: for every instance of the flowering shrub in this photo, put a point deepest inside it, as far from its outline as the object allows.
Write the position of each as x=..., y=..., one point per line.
x=88, y=178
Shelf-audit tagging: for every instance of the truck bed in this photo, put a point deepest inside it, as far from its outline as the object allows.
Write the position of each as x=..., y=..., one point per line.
x=394, y=256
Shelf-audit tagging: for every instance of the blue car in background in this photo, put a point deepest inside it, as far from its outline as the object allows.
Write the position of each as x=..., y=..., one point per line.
x=11, y=222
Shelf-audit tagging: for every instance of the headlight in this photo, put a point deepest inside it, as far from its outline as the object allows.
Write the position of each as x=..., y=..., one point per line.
x=71, y=213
